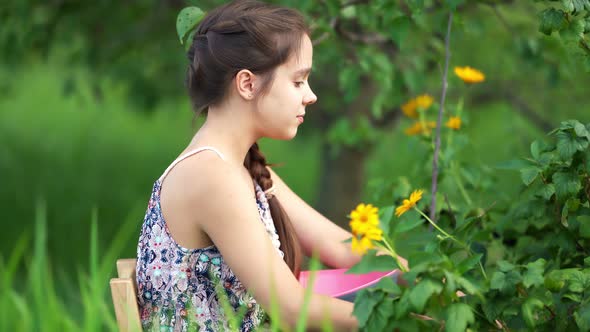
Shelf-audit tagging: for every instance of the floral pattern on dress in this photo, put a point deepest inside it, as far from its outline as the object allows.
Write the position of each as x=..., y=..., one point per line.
x=177, y=286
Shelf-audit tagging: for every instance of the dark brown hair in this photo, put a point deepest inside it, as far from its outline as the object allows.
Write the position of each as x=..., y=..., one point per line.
x=255, y=36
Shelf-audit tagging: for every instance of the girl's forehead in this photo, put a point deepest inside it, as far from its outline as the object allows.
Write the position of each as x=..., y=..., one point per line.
x=301, y=62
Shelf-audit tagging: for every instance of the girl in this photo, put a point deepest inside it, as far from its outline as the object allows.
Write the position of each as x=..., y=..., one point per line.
x=219, y=218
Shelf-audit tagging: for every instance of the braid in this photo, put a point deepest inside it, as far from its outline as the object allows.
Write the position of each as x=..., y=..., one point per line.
x=256, y=164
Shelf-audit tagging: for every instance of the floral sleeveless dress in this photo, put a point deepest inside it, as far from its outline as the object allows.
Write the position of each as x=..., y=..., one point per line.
x=178, y=288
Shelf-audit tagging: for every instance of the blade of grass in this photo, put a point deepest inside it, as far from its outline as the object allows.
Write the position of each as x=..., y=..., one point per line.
x=314, y=265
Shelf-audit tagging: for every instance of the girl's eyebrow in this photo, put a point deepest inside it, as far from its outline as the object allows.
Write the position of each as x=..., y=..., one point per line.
x=303, y=72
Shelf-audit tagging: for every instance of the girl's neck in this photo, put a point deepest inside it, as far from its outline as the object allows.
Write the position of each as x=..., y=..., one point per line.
x=233, y=137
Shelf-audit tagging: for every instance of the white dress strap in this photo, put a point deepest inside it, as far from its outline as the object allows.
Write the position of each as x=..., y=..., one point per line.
x=188, y=154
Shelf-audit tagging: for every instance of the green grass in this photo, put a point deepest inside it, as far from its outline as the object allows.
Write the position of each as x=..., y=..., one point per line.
x=30, y=299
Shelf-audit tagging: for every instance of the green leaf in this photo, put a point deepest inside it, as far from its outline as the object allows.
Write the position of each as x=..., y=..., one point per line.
x=577, y=5
x=536, y=149
x=371, y=263
x=528, y=309
x=459, y=316
x=584, y=226
x=467, y=285
x=582, y=317
x=505, y=266
x=365, y=303
x=402, y=307
x=380, y=316
x=581, y=130
x=421, y=259
x=385, y=215
x=505, y=282
x=348, y=12
x=349, y=81
x=568, y=5
x=388, y=285
x=186, y=21
x=573, y=32
x=578, y=282
x=568, y=144
x=546, y=191
x=534, y=273
x=552, y=20
x=554, y=281
x=399, y=29
x=529, y=174
x=564, y=214
x=468, y=263
x=408, y=221
x=420, y=294
x=333, y=7
x=567, y=184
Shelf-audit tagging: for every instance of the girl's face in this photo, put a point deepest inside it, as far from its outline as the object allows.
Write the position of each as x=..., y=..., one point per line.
x=281, y=111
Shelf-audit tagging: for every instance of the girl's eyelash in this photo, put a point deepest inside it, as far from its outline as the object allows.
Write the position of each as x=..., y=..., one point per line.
x=298, y=84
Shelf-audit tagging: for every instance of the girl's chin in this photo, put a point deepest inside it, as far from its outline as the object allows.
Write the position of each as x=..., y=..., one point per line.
x=285, y=136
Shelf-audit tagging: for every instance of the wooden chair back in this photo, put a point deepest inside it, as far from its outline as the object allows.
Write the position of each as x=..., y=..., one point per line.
x=124, y=293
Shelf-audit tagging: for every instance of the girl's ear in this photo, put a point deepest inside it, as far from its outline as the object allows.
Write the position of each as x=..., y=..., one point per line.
x=245, y=84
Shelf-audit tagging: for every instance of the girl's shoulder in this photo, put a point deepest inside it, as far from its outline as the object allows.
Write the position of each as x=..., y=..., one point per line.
x=205, y=175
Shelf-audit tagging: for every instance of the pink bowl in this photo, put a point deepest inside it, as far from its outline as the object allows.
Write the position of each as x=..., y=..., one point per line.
x=335, y=283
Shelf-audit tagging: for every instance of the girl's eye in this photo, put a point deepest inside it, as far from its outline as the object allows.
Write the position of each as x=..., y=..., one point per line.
x=298, y=84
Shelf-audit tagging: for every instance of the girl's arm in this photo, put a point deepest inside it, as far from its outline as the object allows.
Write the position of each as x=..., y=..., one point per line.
x=316, y=232
x=226, y=210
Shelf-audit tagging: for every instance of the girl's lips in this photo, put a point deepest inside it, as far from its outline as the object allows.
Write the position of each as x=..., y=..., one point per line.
x=300, y=118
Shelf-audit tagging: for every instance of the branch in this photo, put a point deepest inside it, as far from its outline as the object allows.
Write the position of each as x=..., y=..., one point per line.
x=517, y=103
x=365, y=38
x=439, y=121
x=503, y=20
x=326, y=34
x=389, y=118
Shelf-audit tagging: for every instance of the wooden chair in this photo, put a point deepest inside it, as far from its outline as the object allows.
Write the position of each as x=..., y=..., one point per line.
x=124, y=293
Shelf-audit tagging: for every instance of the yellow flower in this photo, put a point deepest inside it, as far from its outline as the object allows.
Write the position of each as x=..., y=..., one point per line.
x=364, y=223
x=409, y=203
x=364, y=217
x=454, y=123
x=424, y=101
x=363, y=242
x=417, y=128
x=419, y=103
x=469, y=75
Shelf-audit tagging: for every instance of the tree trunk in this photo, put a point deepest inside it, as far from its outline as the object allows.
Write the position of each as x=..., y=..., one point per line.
x=341, y=183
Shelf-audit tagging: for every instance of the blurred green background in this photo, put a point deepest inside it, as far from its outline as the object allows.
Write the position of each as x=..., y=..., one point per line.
x=93, y=109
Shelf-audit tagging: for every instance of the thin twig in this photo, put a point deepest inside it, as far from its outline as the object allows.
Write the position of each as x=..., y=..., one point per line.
x=503, y=20
x=326, y=34
x=451, y=210
x=439, y=121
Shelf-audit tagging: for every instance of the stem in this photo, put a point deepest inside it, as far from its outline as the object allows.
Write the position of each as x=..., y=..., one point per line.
x=465, y=246
x=483, y=271
x=394, y=255
x=459, y=183
x=439, y=122
x=440, y=229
